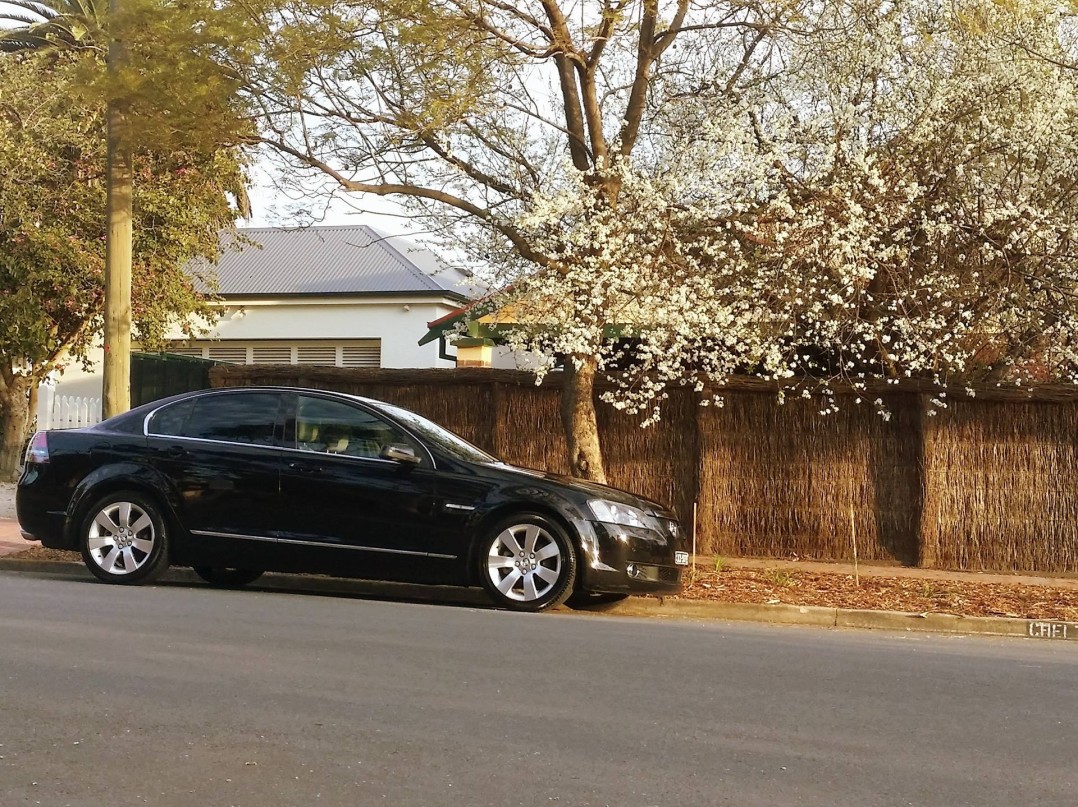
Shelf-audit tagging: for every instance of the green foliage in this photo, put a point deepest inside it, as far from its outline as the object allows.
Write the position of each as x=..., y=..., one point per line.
x=176, y=71
x=780, y=578
x=179, y=77
x=52, y=217
x=720, y=563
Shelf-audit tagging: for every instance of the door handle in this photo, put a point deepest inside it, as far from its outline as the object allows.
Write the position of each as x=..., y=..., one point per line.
x=304, y=468
x=175, y=452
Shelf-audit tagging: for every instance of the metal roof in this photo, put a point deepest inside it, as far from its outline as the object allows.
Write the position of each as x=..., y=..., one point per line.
x=328, y=260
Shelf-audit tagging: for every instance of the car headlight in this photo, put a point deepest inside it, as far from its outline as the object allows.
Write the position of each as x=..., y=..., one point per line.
x=615, y=513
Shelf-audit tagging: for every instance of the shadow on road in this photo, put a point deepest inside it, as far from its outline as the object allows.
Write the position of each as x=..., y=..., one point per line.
x=310, y=585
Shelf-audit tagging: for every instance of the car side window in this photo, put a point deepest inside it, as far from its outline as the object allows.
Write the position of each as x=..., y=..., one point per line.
x=248, y=418
x=334, y=427
x=170, y=420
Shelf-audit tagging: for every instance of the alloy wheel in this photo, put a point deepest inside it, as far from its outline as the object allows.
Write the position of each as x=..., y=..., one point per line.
x=524, y=562
x=121, y=538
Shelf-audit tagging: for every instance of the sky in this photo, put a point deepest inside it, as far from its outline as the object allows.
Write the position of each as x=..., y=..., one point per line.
x=275, y=206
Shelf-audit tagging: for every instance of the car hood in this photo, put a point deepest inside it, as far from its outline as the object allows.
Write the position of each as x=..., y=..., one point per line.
x=593, y=490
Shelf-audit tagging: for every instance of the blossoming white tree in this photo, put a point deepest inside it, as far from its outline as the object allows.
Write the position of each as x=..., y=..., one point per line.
x=838, y=190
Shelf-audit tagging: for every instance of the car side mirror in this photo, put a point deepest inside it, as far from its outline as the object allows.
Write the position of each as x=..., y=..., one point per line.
x=398, y=452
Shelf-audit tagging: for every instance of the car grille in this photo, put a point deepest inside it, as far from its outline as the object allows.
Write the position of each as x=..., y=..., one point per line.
x=668, y=575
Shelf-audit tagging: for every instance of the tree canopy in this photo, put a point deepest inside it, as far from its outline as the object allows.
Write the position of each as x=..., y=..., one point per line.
x=178, y=81
x=834, y=191
x=167, y=80
x=53, y=224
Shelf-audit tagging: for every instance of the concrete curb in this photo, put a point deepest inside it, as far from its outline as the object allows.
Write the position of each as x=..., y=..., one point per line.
x=818, y=616
x=667, y=608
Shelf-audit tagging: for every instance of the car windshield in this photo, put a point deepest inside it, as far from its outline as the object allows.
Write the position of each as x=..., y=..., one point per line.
x=439, y=436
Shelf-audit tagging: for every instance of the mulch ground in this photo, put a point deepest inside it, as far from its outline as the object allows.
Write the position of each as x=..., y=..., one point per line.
x=914, y=595
x=835, y=590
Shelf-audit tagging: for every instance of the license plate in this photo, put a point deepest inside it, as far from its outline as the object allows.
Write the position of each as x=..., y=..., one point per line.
x=681, y=558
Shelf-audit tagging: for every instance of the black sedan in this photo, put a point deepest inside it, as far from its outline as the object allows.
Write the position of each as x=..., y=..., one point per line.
x=235, y=482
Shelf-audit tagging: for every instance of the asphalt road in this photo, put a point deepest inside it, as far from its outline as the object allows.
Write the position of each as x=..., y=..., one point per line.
x=183, y=695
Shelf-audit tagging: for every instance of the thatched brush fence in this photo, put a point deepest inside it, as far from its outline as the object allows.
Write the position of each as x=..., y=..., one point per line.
x=990, y=482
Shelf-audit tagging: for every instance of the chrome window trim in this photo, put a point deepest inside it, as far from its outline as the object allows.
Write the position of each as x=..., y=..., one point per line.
x=215, y=442
x=320, y=454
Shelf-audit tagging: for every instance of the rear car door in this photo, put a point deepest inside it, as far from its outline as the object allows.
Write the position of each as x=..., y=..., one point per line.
x=222, y=453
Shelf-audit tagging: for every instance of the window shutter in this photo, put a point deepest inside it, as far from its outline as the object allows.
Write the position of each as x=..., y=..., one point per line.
x=275, y=354
x=362, y=355
x=233, y=355
x=326, y=356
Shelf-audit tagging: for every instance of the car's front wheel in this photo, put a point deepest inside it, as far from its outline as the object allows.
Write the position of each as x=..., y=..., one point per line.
x=123, y=539
x=527, y=563
x=227, y=577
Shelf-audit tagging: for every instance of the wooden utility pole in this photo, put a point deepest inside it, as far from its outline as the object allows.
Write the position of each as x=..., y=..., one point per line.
x=120, y=175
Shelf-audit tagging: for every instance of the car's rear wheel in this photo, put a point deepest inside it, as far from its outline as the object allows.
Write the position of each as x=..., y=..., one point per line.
x=123, y=539
x=223, y=577
x=586, y=601
x=527, y=563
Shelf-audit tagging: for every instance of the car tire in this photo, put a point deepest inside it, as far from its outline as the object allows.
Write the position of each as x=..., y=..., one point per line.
x=123, y=539
x=223, y=577
x=587, y=601
x=527, y=563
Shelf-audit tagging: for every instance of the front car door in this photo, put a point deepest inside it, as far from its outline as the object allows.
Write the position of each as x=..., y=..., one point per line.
x=341, y=497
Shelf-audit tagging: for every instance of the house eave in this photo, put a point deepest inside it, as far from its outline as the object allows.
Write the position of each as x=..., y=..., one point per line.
x=424, y=295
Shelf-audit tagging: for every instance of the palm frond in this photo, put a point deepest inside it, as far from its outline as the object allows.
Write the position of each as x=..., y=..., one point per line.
x=35, y=37
x=23, y=21
x=40, y=10
x=18, y=44
x=62, y=24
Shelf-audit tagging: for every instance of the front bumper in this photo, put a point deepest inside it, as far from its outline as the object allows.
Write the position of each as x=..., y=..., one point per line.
x=627, y=560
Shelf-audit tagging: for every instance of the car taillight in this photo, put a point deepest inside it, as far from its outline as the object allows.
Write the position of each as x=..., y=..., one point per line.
x=38, y=450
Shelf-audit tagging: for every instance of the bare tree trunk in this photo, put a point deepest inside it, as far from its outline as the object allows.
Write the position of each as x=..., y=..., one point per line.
x=578, y=419
x=14, y=417
x=31, y=406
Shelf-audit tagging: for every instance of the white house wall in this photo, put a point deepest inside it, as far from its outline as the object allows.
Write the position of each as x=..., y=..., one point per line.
x=399, y=324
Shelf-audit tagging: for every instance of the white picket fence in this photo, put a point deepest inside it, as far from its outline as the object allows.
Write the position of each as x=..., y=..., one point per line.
x=66, y=411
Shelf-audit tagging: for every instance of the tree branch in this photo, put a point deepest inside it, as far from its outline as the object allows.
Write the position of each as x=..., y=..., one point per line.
x=519, y=242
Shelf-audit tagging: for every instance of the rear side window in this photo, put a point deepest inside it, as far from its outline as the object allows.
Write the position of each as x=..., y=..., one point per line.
x=171, y=420
x=248, y=418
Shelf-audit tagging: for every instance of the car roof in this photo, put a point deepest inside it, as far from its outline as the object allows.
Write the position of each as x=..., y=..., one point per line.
x=143, y=410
